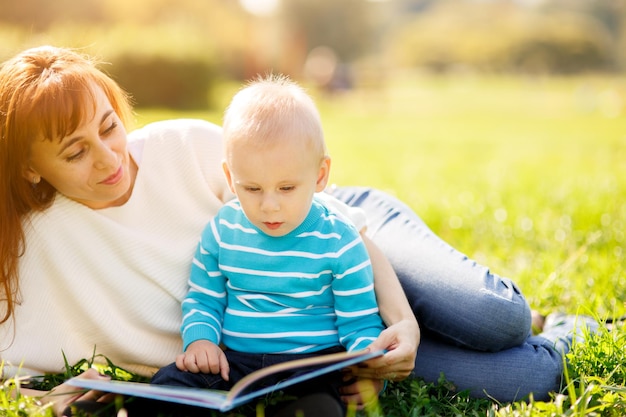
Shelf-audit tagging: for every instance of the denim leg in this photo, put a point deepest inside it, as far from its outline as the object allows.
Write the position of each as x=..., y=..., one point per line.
x=509, y=375
x=535, y=366
x=476, y=325
x=452, y=296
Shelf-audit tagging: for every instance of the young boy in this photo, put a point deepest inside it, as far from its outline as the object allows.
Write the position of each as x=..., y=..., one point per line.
x=276, y=271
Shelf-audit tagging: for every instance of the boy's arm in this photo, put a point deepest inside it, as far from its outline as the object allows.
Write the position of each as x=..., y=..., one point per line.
x=358, y=321
x=203, y=307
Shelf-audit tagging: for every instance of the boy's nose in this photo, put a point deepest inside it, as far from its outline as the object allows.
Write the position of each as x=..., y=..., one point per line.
x=270, y=203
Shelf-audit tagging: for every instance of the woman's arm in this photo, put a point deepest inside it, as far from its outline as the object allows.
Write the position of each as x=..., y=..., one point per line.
x=400, y=339
x=64, y=395
x=392, y=302
x=402, y=336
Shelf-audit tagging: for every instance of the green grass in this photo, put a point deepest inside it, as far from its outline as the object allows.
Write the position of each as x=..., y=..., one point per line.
x=525, y=175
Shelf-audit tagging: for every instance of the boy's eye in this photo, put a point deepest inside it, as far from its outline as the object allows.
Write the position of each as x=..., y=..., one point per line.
x=252, y=189
x=287, y=188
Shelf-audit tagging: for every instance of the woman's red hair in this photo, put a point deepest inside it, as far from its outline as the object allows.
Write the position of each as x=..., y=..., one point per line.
x=45, y=94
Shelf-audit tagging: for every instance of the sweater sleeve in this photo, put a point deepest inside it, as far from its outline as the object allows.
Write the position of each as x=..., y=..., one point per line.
x=354, y=215
x=358, y=320
x=203, y=307
x=207, y=138
x=203, y=138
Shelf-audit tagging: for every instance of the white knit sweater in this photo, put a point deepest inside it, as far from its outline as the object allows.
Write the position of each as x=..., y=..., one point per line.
x=111, y=280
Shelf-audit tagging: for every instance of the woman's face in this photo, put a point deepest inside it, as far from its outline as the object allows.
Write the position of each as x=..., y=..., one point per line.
x=91, y=165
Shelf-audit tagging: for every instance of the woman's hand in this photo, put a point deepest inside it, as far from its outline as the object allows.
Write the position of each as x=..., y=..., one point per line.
x=64, y=395
x=401, y=341
x=361, y=392
x=402, y=336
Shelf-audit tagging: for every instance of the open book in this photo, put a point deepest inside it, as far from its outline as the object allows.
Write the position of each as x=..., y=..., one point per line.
x=242, y=392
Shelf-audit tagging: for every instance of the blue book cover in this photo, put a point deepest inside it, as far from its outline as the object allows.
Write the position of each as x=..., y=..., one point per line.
x=240, y=392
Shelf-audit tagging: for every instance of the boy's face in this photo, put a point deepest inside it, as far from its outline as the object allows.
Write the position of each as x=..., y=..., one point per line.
x=275, y=184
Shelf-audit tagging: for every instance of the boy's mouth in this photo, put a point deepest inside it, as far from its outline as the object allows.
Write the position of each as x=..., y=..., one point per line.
x=272, y=225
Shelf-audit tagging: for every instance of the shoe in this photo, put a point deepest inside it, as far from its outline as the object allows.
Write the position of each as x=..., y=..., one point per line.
x=613, y=323
x=537, y=322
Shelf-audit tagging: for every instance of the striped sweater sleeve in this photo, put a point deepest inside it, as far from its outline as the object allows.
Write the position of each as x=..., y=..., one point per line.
x=358, y=321
x=203, y=307
x=302, y=292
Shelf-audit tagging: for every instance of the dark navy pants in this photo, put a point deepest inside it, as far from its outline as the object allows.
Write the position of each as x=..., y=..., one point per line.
x=242, y=364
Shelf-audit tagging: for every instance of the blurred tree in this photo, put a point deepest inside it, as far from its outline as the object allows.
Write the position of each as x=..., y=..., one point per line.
x=164, y=52
x=40, y=14
x=219, y=39
x=612, y=15
x=344, y=26
x=181, y=84
x=501, y=36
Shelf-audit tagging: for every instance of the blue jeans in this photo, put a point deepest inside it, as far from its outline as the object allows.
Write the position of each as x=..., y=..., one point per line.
x=475, y=324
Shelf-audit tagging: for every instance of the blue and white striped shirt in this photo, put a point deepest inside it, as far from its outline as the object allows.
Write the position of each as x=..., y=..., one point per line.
x=303, y=292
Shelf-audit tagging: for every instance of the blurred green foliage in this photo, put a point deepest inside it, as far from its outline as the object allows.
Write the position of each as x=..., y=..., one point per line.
x=175, y=53
x=503, y=38
x=523, y=174
x=165, y=81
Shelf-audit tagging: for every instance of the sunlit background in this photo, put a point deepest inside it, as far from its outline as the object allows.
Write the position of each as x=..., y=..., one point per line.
x=186, y=47
x=501, y=122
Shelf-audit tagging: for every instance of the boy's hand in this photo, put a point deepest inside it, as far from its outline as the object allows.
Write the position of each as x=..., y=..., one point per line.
x=204, y=356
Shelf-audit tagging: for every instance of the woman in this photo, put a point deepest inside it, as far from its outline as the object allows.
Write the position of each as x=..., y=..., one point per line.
x=98, y=231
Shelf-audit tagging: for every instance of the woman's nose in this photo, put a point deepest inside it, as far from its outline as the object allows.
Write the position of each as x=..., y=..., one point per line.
x=105, y=156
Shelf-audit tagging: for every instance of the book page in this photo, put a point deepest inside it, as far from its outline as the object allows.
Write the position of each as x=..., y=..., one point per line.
x=226, y=400
x=328, y=363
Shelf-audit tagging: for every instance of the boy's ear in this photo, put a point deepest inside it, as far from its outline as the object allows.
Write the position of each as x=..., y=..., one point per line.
x=323, y=175
x=228, y=175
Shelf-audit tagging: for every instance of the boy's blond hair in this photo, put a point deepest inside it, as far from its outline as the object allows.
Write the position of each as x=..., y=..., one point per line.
x=273, y=107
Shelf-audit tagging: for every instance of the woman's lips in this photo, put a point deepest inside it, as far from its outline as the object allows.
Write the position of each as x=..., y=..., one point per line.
x=115, y=178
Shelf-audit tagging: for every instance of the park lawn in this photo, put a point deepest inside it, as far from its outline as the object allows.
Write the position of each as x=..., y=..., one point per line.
x=526, y=175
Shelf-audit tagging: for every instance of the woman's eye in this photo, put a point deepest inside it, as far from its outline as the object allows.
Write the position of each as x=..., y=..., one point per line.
x=109, y=129
x=75, y=156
